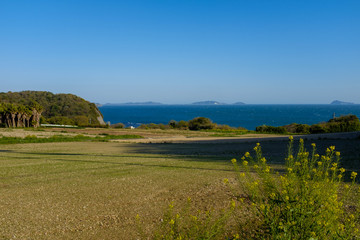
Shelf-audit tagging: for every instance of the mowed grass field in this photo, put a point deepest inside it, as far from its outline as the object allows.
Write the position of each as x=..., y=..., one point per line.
x=94, y=190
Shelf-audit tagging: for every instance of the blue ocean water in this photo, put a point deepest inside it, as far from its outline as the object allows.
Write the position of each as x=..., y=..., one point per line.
x=247, y=116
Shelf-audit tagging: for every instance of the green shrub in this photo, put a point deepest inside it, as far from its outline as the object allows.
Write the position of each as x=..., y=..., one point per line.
x=271, y=129
x=200, y=123
x=118, y=125
x=318, y=128
x=184, y=125
x=307, y=202
x=61, y=120
x=298, y=128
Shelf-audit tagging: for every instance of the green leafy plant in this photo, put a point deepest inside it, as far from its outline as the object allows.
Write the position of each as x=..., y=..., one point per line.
x=308, y=201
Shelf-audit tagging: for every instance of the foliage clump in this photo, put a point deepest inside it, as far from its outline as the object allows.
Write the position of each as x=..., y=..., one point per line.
x=308, y=201
x=348, y=123
x=19, y=115
x=65, y=109
x=196, y=124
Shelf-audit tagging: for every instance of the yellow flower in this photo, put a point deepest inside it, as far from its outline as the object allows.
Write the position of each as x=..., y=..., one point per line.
x=257, y=144
x=337, y=154
x=289, y=170
x=255, y=148
x=332, y=148
x=297, y=164
x=247, y=154
x=242, y=174
x=317, y=155
x=256, y=166
x=267, y=169
x=263, y=160
x=233, y=160
x=353, y=175
x=334, y=165
x=319, y=163
x=291, y=138
x=313, y=145
x=226, y=181
x=172, y=222
x=245, y=163
x=233, y=204
x=342, y=170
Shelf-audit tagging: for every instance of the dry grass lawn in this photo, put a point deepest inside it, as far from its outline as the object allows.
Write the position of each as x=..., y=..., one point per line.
x=94, y=190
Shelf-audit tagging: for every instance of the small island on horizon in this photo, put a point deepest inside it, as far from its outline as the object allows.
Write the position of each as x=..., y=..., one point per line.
x=337, y=102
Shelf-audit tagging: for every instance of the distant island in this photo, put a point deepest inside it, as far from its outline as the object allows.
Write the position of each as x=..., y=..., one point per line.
x=216, y=103
x=208, y=103
x=337, y=102
x=239, y=103
x=134, y=103
x=158, y=103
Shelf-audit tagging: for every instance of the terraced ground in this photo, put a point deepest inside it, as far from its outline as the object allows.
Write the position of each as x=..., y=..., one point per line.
x=94, y=190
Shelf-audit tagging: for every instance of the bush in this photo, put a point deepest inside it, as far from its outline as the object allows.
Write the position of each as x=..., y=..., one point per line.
x=81, y=121
x=184, y=125
x=318, y=128
x=297, y=128
x=61, y=120
x=307, y=202
x=200, y=123
x=271, y=129
x=118, y=125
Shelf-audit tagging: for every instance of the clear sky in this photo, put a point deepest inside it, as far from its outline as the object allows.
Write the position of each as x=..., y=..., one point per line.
x=181, y=51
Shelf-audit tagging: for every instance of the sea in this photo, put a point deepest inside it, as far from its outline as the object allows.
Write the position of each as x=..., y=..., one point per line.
x=247, y=116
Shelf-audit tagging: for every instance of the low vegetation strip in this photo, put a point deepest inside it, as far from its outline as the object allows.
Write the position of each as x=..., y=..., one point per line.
x=62, y=138
x=313, y=197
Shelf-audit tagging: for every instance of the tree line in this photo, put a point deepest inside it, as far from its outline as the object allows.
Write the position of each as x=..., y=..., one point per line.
x=19, y=115
x=348, y=123
x=64, y=109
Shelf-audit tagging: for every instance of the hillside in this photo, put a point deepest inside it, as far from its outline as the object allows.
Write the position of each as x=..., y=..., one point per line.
x=57, y=108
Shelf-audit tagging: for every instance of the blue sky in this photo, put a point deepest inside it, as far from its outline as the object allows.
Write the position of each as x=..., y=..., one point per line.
x=254, y=51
